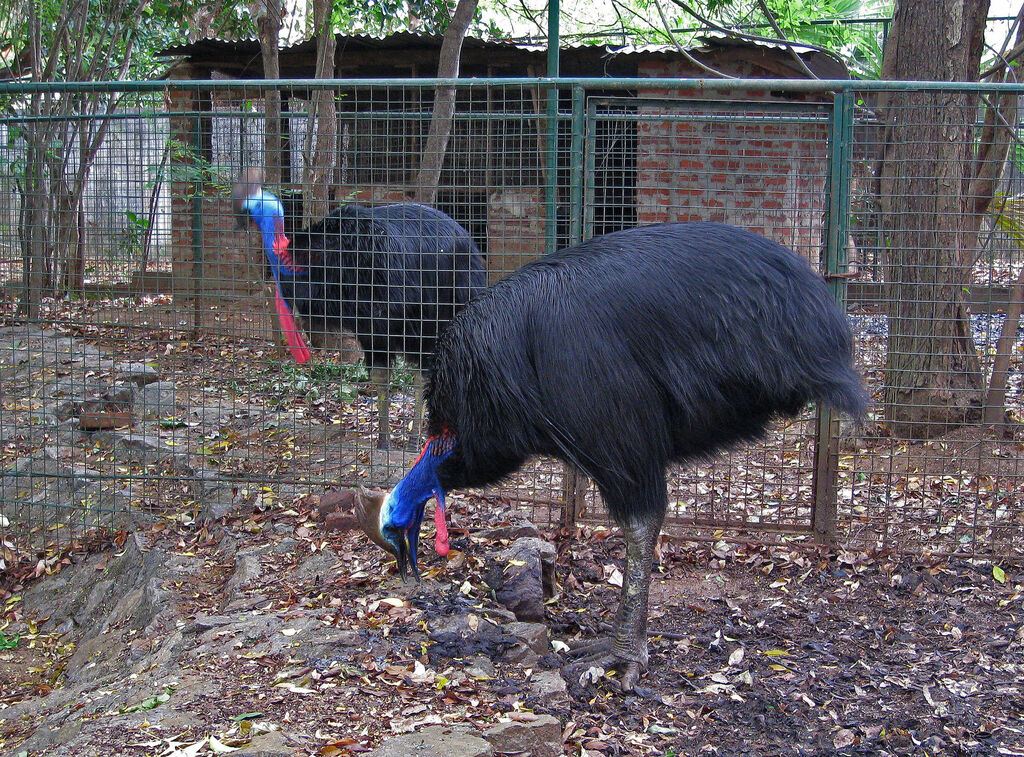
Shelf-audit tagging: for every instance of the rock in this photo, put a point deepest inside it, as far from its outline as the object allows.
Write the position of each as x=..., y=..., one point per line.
x=137, y=447
x=435, y=741
x=316, y=568
x=457, y=636
x=140, y=374
x=523, y=576
x=247, y=571
x=273, y=744
x=520, y=654
x=533, y=635
x=480, y=667
x=220, y=498
x=113, y=599
x=539, y=738
x=43, y=478
x=512, y=531
x=549, y=687
x=155, y=401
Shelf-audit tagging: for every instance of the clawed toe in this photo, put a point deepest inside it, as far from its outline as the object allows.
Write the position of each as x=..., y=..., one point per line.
x=593, y=660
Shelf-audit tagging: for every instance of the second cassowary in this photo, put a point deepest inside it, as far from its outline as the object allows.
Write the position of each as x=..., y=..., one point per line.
x=622, y=355
x=392, y=275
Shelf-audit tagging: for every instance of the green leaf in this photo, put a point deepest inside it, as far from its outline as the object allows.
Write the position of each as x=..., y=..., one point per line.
x=247, y=716
x=998, y=574
x=149, y=703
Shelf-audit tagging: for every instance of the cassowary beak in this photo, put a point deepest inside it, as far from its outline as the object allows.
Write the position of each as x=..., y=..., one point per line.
x=395, y=542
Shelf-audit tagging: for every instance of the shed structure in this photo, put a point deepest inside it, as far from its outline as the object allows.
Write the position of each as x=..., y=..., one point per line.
x=657, y=154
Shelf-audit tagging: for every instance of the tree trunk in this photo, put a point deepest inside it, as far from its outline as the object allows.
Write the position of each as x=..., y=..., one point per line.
x=444, y=103
x=321, y=137
x=270, y=31
x=933, y=379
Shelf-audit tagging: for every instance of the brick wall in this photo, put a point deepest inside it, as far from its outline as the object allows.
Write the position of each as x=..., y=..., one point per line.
x=739, y=167
x=516, y=226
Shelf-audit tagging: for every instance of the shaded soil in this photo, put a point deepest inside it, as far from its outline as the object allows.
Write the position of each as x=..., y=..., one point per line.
x=754, y=650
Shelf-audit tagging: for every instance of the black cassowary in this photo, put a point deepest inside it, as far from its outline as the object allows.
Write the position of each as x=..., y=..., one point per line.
x=392, y=275
x=626, y=353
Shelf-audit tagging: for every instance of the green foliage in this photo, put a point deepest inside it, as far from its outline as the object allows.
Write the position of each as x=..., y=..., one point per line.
x=9, y=642
x=859, y=44
x=316, y=381
x=836, y=25
x=380, y=17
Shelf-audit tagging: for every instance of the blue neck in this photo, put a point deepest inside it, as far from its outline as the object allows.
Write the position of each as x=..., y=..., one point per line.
x=268, y=214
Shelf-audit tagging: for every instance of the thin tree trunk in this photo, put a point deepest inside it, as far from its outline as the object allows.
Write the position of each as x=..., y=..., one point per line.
x=270, y=32
x=322, y=128
x=995, y=400
x=1000, y=117
x=444, y=103
x=139, y=277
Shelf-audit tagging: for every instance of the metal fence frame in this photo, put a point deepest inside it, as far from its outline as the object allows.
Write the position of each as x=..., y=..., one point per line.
x=838, y=99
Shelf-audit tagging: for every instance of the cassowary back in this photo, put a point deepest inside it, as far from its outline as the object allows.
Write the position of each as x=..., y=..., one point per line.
x=636, y=349
x=393, y=275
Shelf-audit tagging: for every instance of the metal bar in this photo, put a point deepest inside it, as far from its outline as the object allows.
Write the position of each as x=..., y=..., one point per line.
x=575, y=481
x=576, y=162
x=588, y=173
x=551, y=143
x=826, y=445
x=197, y=231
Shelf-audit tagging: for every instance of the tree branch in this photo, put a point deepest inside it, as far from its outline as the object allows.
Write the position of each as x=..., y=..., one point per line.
x=789, y=46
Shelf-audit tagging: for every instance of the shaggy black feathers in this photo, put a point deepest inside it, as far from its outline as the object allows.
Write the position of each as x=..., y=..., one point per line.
x=634, y=350
x=393, y=275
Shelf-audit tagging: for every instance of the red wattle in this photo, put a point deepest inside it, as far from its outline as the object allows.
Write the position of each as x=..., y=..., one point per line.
x=292, y=335
x=441, y=536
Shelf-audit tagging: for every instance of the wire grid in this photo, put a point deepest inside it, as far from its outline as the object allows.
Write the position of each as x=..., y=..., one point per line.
x=930, y=301
x=150, y=377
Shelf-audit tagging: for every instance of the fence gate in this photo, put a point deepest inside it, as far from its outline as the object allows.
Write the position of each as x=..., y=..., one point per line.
x=765, y=165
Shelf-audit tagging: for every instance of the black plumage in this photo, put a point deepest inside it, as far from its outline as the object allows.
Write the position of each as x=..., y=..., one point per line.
x=634, y=350
x=629, y=352
x=393, y=275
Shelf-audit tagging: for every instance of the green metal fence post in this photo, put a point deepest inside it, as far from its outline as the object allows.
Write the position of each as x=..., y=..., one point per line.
x=825, y=503
x=575, y=481
x=551, y=144
x=197, y=231
x=576, y=162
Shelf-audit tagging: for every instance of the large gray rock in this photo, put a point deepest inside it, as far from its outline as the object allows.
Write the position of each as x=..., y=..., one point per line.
x=113, y=601
x=435, y=741
x=539, y=738
x=273, y=744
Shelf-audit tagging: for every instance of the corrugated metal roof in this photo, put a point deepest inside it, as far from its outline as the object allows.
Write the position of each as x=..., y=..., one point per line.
x=210, y=50
x=405, y=40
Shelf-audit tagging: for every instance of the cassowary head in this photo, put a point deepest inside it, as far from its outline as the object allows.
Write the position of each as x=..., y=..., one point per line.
x=253, y=204
x=393, y=520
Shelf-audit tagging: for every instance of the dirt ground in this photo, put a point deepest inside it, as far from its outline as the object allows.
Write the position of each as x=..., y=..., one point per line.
x=754, y=650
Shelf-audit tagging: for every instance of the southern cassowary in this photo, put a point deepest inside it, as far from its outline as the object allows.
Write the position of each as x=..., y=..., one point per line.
x=626, y=353
x=392, y=275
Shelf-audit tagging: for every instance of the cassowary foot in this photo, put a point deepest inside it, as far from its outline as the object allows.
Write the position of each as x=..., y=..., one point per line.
x=607, y=655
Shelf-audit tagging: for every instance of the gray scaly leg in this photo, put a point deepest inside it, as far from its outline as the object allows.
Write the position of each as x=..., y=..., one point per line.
x=626, y=650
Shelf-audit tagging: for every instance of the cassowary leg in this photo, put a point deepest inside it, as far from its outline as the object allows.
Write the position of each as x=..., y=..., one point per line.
x=381, y=378
x=626, y=651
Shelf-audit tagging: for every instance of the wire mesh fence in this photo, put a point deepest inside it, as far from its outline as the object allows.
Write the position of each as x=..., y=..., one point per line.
x=144, y=368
